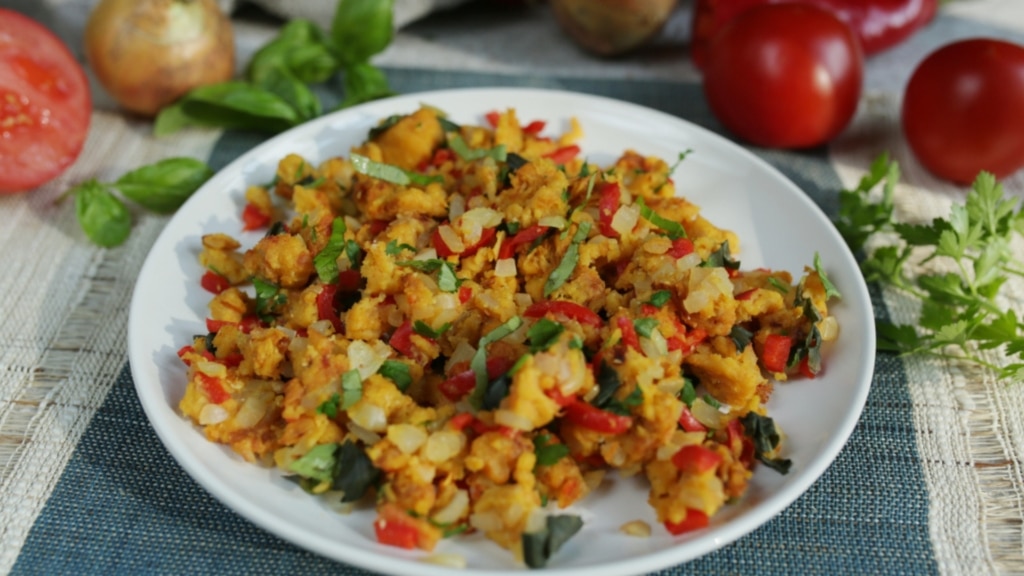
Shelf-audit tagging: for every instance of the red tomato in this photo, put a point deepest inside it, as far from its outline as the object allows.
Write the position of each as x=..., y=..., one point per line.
x=784, y=75
x=963, y=111
x=45, y=104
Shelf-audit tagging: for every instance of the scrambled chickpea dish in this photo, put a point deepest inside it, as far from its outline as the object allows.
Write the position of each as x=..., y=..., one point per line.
x=467, y=327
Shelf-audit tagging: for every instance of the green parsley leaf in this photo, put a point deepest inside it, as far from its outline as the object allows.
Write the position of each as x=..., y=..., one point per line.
x=543, y=334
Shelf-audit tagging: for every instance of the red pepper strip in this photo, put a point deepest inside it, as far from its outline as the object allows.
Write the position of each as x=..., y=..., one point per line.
x=325, y=309
x=463, y=383
x=805, y=368
x=695, y=459
x=213, y=388
x=524, y=236
x=878, y=24
x=570, y=310
x=564, y=154
x=232, y=360
x=746, y=294
x=213, y=282
x=401, y=340
x=629, y=337
x=492, y=118
x=534, y=128
x=776, y=352
x=593, y=418
x=559, y=398
x=444, y=251
x=253, y=218
x=465, y=294
x=249, y=321
x=689, y=422
x=461, y=420
x=609, y=198
x=695, y=519
x=746, y=445
x=396, y=533
x=349, y=280
x=215, y=325
x=442, y=155
x=681, y=247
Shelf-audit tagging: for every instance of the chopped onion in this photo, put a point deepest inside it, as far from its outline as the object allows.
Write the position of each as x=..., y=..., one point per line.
x=482, y=217
x=522, y=299
x=505, y=268
x=637, y=528
x=456, y=206
x=707, y=414
x=322, y=326
x=691, y=260
x=486, y=521
x=367, y=437
x=446, y=559
x=369, y=416
x=212, y=414
x=443, y=445
x=829, y=328
x=656, y=346
x=513, y=420
x=625, y=219
x=593, y=478
x=367, y=359
x=450, y=238
x=212, y=369
x=657, y=245
x=454, y=510
x=426, y=254
x=254, y=409
x=552, y=221
x=407, y=437
x=463, y=353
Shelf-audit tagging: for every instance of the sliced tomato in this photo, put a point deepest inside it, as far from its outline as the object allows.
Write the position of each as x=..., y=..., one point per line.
x=325, y=309
x=696, y=459
x=776, y=352
x=609, y=198
x=593, y=418
x=213, y=282
x=570, y=310
x=695, y=519
x=45, y=104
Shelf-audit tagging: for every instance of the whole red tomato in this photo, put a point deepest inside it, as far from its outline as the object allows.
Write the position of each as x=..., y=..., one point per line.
x=45, y=104
x=963, y=111
x=784, y=75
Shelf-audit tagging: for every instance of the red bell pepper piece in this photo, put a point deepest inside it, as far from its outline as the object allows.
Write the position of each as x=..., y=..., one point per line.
x=394, y=532
x=464, y=382
x=695, y=459
x=465, y=294
x=253, y=218
x=681, y=247
x=444, y=251
x=629, y=337
x=746, y=294
x=534, y=128
x=564, y=154
x=492, y=118
x=214, y=326
x=695, y=519
x=524, y=236
x=593, y=418
x=690, y=423
x=461, y=420
x=609, y=197
x=570, y=310
x=442, y=155
x=805, y=368
x=401, y=339
x=213, y=282
x=325, y=309
x=736, y=438
x=776, y=352
x=213, y=387
x=349, y=281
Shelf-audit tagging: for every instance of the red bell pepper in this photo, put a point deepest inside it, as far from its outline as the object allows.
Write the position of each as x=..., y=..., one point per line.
x=609, y=198
x=593, y=418
x=464, y=382
x=695, y=519
x=325, y=309
x=524, y=236
x=776, y=352
x=737, y=438
x=805, y=368
x=878, y=24
x=401, y=339
x=570, y=310
x=629, y=337
x=564, y=154
x=696, y=459
x=492, y=118
x=253, y=218
x=689, y=422
x=213, y=282
x=681, y=247
x=213, y=387
x=461, y=420
x=394, y=532
x=465, y=294
x=534, y=128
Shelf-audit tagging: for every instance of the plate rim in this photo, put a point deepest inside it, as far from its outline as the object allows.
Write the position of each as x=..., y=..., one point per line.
x=726, y=534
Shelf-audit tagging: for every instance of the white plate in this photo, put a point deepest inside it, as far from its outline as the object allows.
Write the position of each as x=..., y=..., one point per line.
x=778, y=226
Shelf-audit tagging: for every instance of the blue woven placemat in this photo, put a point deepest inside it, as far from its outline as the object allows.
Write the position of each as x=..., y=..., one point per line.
x=124, y=506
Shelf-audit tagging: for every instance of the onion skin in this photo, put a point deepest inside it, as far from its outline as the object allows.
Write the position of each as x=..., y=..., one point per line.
x=149, y=53
x=612, y=27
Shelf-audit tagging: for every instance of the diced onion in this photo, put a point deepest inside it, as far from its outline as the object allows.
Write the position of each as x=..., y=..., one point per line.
x=482, y=217
x=212, y=414
x=212, y=369
x=369, y=416
x=505, y=268
x=443, y=445
x=456, y=206
x=593, y=478
x=254, y=409
x=553, y=221
x=513, y=420
x=367, y=437
x=656, y=346
x=691, y=260
x=463, y=353
x=522, y=299
x=407, y=437
x=426, y=254
x=829, y=328
x=637, y=528
x=446, y=559
x=707, y=414
x=486, y=521
x=367, y=359
x=449, y=237
x=625, y=219
x=454, y=510
x=321, y=326
x=657, y=245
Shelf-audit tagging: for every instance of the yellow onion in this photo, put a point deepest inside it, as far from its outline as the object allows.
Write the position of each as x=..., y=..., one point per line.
x=610, y=27
x=148, y=53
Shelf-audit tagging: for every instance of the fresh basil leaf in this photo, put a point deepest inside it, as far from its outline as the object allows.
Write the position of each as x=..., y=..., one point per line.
x=164, y=186
x=513, y=162
x=390, y=173
x=539, y=547
x=830, y=288
x=567, y=266
x=326, y=260
x=352, y=389
x=354, y=472
x=171, y=119
x=102, y=216
x=623, y=407
x=459, y=146
x=397, y=372
x=424, y=329
x=548, y=453
x=268, y=299
x=779, y=285
x=761, y=430
x=329, y=407
x=354, y=253
x=447, y=281
x=361, y=28
x=543, y=334
x=479, y=361
x=447, y=125
x=660, y=298
x=363, y=83
x=384, y=126
x=675, y=230
x=496, y=391
x=317, y=464
x=644, y=326
x=240, y=104
x=429, y=265
x=721, y=258
x=608, y=384
x=301, y=48
x=285, y=85
x=740, y=337
x=393, y=248
x=688, y=394
x=711, y=401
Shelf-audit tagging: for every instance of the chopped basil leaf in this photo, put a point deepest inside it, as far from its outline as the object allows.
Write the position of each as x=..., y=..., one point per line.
x=830, y=288
x=354, y=253
x=459, y=146
x=447, y=281
x=660, y=298
x=424, y=329
x=447, y=125
x=675, y=230
x=496, y=391
x=688, y=394
x=607, y=384
x=352, y=388
x=394, y=248
x=548, y=453
x=644, y=326
x=540, y=546
x=275, y=229
x=721, y=258
x=761, y=430
x=326, y=260
x=567, y=266
x=513, y=162
x=511, y=227
x=740, y=337
x=711, y=401
x=354, y=472
x=397, y=372
x=479, y=361
x=317, y=464
x=779, y=284
x=622, y=407
x=679, y=160
x=543, y=334
x=576, y=342
x=384, y=126
x=268, y=299
x=390, y=173
x=329, y=407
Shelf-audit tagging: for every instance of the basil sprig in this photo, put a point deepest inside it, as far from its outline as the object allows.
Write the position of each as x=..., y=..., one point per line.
x=390, y=172
x=566, y=267
x=161, y=187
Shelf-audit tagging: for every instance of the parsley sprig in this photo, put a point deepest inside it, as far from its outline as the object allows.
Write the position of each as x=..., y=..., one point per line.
x=959, y=315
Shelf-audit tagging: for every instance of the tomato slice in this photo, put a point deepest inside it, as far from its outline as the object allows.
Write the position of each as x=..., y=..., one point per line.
x=563, y=154
x=45, y=104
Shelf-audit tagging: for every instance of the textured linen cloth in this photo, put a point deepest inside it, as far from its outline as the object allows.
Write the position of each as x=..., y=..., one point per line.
x=931, y=480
